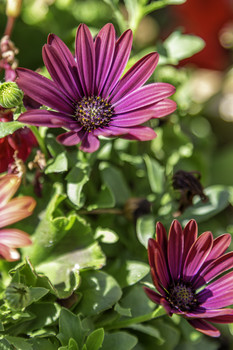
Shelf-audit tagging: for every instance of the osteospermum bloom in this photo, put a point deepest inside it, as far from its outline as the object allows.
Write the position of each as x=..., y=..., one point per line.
x=184, y=268
x=86, y=94
x=21, y=142
x=11, y=211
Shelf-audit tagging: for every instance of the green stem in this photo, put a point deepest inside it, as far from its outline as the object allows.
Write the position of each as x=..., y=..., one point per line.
x=40, y=140
x=140, y=319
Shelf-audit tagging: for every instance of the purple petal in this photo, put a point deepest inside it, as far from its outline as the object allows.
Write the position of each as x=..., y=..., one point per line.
x=223, y=283
x=219, y=300
x=204, y=327
x=132, y=118
x=161, y=236
x=42, y=117
x=220, y=245
x=155, y=297
x=140, y=133
x=163, y=108
x=190, y=236
x=161, y=266
x=43, y=90
x=67, y=56
x=152, y=246
x=60, y=72
x=119, y=61
x=175, y=249
x=214, y=269
x=144, y=97
x=197, y=254
x=135, y=77
x=223, y=319
x=90, y=143
x=85, y=55
x=104, y=50
x=203, y=313
x=70, y=138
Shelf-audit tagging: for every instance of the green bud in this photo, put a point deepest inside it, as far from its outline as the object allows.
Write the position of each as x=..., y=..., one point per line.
x=17, y=296
x=10, y=95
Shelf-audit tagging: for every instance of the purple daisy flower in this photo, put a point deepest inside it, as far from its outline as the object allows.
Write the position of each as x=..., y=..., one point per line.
x=87, y=95
x=183, y=268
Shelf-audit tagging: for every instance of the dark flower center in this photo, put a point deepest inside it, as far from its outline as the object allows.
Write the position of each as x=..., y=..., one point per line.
x=93, y=112
x=182, y=296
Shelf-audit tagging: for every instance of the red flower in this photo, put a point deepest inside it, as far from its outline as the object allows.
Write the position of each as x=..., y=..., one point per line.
x=185, y=270
x=21, y=140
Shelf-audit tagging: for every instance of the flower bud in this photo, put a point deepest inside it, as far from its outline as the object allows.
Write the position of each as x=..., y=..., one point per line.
x=17, y=296
x=10, y=95
x=13, y=8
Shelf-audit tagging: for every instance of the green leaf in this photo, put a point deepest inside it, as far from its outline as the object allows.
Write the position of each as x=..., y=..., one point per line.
x=42, y=344
x=119, y=340
x=70, y=326
x=128, y=272
x=58, y=164
x=104, y=199
x=100, y=292
x=106, y=235
x=95, y=339
x=114, y=180
x=76, y=179
x=155, y=174
x=8, y=128
x=180, y=46
x=145, y=229
x=218, y=200
x=19, y=343
x=122, y=310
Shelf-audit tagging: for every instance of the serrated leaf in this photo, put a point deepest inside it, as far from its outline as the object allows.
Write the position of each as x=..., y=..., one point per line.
x=8, y=128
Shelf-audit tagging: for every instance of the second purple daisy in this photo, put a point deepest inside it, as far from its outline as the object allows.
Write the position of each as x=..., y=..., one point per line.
x=87, y=95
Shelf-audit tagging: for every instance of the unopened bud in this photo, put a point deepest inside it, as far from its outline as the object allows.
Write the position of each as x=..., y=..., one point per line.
x=10, y=95
x=13, y=8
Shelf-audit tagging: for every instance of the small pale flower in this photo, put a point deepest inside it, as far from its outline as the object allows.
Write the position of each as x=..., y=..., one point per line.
x=11, y=211
x=185, y=270
x=87, y=95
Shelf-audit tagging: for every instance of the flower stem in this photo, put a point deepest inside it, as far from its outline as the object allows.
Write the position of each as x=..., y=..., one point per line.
x=140, y=319
x=39, y=140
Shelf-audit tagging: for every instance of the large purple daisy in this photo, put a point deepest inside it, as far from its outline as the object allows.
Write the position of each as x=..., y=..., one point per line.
x=183, y=268
x=87, y=94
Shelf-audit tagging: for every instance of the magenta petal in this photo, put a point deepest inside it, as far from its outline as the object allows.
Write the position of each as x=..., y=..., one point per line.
x=223, y=283
x=152, y=246
x=215, y=268
x=85, y=55
x=42, y=117
x=14, y=238
x=175, y=249
x=220, y=245
x=144, y=97
x=155, y=297
x=9, y=254
x=223, y=319
x=104, y=50
x=197, y=254
x=131, y=118
x=161, y=266
x=43, y=90
x=69, y=138
x=190, y=236
x=119, y=61
x=60, y=72
x=204, y=313
x=204, y=327
x=135, y=77
x=163, y=108
x=90, y=143
x=161, y=236
x=140, y=133
x=66, y=56
x=219, y=300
